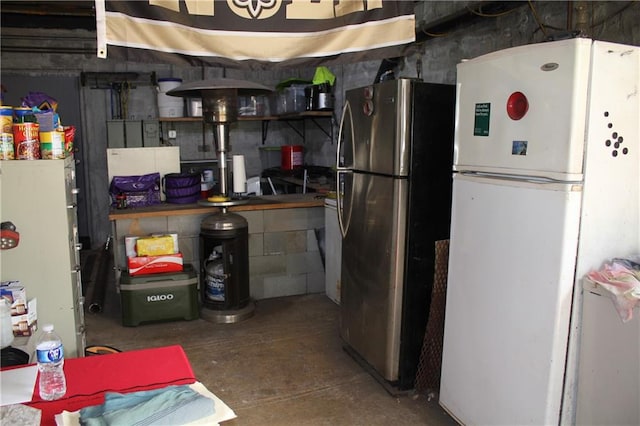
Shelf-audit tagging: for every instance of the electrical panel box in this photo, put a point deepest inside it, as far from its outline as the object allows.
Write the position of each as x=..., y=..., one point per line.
x=133, y=133
x=150, y=133
x=115, y=134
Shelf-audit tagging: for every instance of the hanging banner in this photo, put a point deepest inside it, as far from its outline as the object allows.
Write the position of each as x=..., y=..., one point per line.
x=253, y=32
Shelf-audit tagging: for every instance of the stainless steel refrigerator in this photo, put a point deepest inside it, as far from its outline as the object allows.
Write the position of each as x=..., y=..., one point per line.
x=395, y=149
x=546, y=188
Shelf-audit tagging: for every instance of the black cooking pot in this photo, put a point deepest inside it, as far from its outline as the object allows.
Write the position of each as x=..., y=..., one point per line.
x=319, y=97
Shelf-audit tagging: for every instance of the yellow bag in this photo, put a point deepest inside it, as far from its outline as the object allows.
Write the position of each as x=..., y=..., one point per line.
x=156, y=245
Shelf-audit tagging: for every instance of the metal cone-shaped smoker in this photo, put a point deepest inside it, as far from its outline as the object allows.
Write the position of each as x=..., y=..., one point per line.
x=224, y=236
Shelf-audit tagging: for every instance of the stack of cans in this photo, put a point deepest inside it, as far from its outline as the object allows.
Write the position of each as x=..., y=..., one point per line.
x=26, y=134
x=29, y=136
x=6, y=133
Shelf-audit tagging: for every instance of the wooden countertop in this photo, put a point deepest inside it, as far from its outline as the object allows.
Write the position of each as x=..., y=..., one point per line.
x=265, y=202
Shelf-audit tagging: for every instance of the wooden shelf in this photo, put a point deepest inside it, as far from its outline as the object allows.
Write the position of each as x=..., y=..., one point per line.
x=292, y=116
x=297, y=116
x=179, y=119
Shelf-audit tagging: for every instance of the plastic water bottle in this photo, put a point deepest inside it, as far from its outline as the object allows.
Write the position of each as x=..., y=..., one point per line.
x=50, y=356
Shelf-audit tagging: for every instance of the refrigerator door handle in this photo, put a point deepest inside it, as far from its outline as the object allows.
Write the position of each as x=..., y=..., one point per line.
x=344, y=224
x=517, y=178
x=346, y=109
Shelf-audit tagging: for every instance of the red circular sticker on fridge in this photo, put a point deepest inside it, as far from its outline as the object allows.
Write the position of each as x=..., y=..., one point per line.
x=517, y=105
x=368, y=92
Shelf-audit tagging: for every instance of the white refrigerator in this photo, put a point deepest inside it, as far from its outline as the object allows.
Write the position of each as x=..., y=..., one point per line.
x=545, y=188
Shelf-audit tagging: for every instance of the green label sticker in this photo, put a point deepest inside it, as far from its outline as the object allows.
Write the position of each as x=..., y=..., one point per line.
x=481, y=122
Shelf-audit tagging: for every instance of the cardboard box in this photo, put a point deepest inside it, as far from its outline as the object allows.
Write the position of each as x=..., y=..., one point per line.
x=159, y=297
x=26, y=324
x=130, y=245
x=16, y=294
x=142, y=265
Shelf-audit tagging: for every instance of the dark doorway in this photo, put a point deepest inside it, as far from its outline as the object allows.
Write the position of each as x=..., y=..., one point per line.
x=65, y=89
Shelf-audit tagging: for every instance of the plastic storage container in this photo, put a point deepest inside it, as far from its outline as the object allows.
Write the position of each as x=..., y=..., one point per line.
x=50, y=357
x=295, y=98
x=159, y=297
x=169, y=106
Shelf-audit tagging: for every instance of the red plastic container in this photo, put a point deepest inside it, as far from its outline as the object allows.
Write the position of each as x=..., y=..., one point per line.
x=291, y=157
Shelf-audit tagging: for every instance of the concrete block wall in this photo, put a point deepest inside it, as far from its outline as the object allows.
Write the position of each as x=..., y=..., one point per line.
x=284, y=254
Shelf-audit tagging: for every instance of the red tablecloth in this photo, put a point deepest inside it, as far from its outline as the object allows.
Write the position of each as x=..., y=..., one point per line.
x=89, y=378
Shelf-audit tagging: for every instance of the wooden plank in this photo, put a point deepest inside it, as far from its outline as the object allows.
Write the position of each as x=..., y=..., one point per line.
x=267, y=202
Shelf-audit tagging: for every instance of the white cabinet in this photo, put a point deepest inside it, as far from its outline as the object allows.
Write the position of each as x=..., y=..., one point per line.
x=39, y=197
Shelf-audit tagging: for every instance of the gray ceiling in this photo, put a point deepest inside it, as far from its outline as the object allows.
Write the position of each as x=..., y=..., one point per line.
x=48, y=14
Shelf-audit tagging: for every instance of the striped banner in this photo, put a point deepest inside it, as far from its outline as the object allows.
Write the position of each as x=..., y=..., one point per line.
x=253, y=32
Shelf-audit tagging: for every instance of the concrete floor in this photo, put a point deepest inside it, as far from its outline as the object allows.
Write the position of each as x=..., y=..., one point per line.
x=283, y=366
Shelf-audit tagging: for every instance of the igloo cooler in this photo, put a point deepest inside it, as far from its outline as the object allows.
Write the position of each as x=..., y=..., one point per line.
x=159, y=297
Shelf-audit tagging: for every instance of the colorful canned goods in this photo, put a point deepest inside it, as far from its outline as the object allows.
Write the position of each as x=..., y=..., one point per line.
x=26, y=141
x=24, y=115
x=6, y=119
x=52, y=145
x=6, y=146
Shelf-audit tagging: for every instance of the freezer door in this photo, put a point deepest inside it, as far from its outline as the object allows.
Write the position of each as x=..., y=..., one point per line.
x=548, y=140
x=376, y=128
x=510, y=283
x=372, y=271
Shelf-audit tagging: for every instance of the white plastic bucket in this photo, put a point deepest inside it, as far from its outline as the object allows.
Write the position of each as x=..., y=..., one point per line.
x=169, y=106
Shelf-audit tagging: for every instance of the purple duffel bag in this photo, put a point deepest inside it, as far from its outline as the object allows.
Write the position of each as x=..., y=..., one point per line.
x=180, y=180
x=184, y=200
x=140, y=191
x=181, y=188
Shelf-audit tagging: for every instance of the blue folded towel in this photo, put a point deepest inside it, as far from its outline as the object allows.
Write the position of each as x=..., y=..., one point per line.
x=172, y=405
